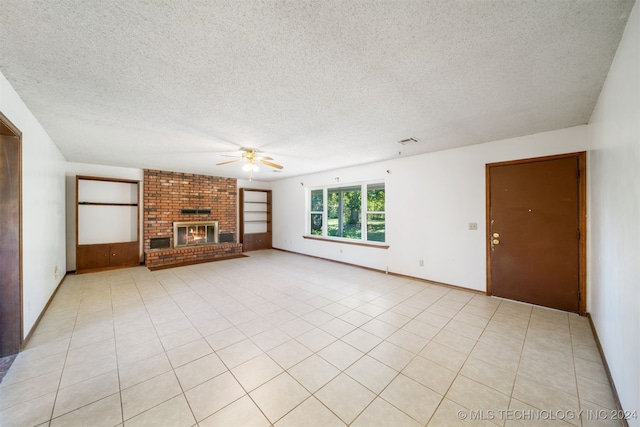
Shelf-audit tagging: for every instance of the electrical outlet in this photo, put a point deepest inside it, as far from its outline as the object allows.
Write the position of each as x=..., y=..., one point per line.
x=421, y=263
x=473, y=226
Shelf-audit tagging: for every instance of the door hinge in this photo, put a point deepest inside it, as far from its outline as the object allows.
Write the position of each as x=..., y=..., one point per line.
x=578, y=234
x=578, y=173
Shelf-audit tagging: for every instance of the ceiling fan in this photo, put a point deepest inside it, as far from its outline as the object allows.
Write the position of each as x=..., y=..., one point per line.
x=251, y=157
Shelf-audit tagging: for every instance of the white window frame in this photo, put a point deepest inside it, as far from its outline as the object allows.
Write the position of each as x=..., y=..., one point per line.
x=366, y=211
x=323, y=212
x=363, y=212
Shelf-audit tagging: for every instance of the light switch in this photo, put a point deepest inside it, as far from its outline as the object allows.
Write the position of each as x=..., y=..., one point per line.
x=473, y=226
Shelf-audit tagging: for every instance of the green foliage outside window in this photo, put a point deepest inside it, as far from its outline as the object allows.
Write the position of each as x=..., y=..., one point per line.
x=344, y=206
x=317, y=205
x=344, y=215
x=316, y=201
x=375, y=221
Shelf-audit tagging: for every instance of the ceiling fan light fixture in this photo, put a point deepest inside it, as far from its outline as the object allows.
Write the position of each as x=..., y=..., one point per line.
x=251, y=160
x=250, y=167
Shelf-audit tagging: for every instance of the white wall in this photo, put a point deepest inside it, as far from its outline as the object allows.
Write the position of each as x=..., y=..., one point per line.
x=43, y=223
x=614, y=217
x=74, y=169
x=260, y=185
x=431, y=199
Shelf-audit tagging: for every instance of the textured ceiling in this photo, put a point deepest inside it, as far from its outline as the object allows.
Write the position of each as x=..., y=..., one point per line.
x=316, y=85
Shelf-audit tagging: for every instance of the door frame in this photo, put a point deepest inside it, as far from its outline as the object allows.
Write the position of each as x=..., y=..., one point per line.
x=582, y=219
x=8, y=128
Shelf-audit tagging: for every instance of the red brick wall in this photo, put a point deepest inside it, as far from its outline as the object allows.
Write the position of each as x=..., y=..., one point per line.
x=166, y=193
x=158, y=258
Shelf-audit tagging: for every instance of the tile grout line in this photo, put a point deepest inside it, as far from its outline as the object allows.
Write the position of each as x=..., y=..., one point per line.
x=166, y=355
x=444, y=395
x=75, y=322
x=115, y=349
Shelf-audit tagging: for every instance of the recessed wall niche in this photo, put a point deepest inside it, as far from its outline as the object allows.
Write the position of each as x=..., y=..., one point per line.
x=107, y=218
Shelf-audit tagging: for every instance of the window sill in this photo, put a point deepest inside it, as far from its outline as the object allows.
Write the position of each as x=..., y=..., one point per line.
x=348, y=242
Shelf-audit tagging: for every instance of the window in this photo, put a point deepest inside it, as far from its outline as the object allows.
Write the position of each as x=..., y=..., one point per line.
x=317, y=209
x=349, y=212
x=344, y=206
x=375, y=213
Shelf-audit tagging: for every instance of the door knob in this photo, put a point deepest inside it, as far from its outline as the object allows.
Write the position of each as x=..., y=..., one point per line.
x=496, y=241
x=496, y=235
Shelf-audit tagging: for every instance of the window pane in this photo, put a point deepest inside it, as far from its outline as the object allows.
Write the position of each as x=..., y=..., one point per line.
x=375, y=227
x=316, y=224
x=352, y=205
x=343, y=212
x=316, y=201
x=375, y=197
x=333, y=199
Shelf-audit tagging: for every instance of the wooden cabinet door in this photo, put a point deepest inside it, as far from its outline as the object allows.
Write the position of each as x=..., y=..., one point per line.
x=256, y=242
x=93, y=256
x=124, y=254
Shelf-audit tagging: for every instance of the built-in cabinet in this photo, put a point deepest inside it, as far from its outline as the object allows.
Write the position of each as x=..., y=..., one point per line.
x=255, y=219
x=107, y=223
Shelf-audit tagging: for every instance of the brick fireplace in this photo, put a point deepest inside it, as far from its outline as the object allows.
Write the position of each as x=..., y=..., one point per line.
x=173, y=197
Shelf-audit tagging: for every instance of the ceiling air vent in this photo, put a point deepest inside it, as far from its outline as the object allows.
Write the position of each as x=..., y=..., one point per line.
x=407, y=141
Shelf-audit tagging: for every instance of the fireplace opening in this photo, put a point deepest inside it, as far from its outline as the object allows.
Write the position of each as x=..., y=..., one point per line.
x=159, y=242
x=195, y=233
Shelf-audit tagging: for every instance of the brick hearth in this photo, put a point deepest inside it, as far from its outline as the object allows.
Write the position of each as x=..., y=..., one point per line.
x=167, y=193
x=162, y=258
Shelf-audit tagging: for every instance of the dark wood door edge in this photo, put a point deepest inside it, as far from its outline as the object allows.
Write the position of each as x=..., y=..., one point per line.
x=8, y=128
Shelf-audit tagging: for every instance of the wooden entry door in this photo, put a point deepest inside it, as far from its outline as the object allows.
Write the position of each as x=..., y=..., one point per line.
x=536, y=231
x=10, y=240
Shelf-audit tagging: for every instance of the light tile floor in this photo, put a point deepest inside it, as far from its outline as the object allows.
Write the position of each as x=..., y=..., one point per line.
x=287, y=340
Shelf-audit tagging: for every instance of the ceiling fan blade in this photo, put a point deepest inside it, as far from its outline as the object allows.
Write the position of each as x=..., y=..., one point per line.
x=225, y=163
x=229, y=155
x=273, y=165
x=263, y=158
